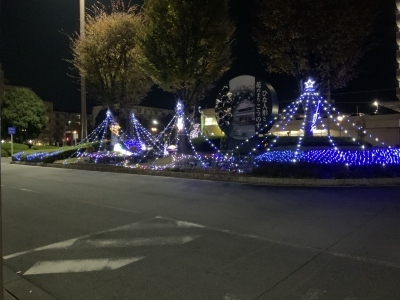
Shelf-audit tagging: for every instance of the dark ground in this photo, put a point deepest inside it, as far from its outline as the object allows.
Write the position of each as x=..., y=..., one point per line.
x=190, y=239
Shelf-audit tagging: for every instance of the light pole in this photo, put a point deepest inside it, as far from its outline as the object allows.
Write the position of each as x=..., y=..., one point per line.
x=1, y=211
x=340, y=119
x=83, y=80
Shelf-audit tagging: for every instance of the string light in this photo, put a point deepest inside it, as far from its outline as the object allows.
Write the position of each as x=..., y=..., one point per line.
x=310, y=100
x=332, y=156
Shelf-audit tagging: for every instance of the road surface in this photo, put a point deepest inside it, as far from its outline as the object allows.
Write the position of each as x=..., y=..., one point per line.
x=92, y=235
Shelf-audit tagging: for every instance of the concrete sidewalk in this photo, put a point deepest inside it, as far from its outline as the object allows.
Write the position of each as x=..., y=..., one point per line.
x=5, y=160
x=17, y=287
x=8, y=296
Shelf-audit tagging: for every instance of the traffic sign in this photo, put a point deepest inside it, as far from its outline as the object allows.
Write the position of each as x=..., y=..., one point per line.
x=11, y=130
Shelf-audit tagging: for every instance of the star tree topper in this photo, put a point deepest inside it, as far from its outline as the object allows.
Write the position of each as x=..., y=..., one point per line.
x=309, y=85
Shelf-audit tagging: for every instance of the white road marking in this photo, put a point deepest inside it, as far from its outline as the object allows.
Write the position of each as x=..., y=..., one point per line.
x=79, y=265
x=60, y=245
x=358, y=258
x=149, y=226
x=183, y=224
x=368, y=260
x=26, y=190
x=70, y=242
x=233, y=297
x=252, y=236
x=22, y=189
x=313, y=294
x=137, y=242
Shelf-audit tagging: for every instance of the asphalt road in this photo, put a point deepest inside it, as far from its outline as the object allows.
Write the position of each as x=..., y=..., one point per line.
x=92, y=235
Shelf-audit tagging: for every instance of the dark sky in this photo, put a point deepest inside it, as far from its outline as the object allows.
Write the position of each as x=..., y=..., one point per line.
x=34, y=46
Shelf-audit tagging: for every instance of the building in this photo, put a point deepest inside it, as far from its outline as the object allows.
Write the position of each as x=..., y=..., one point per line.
x=61, y=126
x=211, y=128
x=374, y=129
x=378, y=129
x=68, y=128
x=47, y=135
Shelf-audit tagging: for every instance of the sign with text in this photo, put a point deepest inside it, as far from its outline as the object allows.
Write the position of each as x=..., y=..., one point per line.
x=245, y=107
x=11, y=130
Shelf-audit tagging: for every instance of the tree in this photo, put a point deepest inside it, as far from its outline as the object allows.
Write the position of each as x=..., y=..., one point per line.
x=105, y=55
x=185, y=46
x=324, y=39
x=23, y=109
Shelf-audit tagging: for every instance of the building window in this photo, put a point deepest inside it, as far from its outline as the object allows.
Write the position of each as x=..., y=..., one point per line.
x=210, y=121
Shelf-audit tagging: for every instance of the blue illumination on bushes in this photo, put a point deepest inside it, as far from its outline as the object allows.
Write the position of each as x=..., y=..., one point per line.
x=36, y=156
x=331, y=156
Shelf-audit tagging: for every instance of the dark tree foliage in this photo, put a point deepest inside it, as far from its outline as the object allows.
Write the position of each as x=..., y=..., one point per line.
x=324, y=39
x=185, y=46
x=23, y=109
x=105, y=55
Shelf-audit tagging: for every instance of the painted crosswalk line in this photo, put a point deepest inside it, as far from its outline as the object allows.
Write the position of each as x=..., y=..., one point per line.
x=79, y=265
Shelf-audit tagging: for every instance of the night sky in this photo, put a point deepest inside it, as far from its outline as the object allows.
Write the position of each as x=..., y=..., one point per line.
x=35, y=46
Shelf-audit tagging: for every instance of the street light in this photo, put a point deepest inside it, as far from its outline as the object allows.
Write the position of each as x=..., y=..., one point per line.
x=83, y=79
x=155, y=122
x=75, y=136
x=340, y=119
x=377, y=106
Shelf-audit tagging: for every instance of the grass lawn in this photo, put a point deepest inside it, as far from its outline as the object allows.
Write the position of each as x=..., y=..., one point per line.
x=6, y=148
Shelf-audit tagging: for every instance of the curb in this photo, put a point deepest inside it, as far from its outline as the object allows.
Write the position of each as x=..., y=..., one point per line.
x=17, y=287
x=226, y=177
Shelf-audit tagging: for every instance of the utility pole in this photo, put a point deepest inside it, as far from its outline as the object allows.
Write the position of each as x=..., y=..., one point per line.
x=328, y=98
x=83, y=79
x=1, y=204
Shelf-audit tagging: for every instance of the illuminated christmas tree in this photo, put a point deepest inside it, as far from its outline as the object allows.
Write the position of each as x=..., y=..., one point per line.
x=312, y=103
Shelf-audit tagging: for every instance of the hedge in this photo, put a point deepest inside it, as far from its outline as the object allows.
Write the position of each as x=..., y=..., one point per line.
x=324, y=171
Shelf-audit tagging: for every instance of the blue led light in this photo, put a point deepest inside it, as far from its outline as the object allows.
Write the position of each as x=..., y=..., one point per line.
x=381, y=156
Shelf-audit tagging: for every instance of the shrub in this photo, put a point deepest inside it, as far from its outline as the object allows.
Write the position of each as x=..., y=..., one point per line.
x=324, y=171
x=16, y=147
x=44, y=147
x=89, y=149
